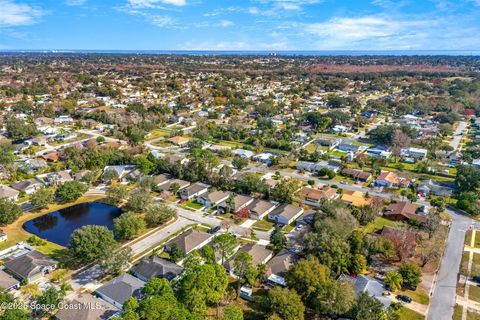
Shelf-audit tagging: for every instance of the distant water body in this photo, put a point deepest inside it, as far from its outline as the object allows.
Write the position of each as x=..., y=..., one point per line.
x=268, y=53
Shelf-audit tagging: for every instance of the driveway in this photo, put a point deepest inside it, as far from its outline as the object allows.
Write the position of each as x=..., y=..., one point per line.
x=442, y=300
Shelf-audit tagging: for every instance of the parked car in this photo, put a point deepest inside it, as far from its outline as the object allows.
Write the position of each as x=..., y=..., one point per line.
x=214, y=230
x=403, y=298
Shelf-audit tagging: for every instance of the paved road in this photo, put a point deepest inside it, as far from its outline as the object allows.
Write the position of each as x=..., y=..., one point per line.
x=442, y=300
x=458, y=135
x=158, y=236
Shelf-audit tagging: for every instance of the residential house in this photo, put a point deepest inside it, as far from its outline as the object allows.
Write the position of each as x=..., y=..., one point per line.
x=179, y=141
x=416, y=153
x=27, y=186
x=213, y=198
x=315, y=167
x=194, y=190
x=348, y=146
x=239, y=202
x=86, y=307
x=120, y=170
x=52, y=156
x=39, y=141
x=265, y=158
x=381, y=152
x=161, y=179
x=278, y=266
x=55, y=178
x=358, y=175
x=8, y=282
x=177, y=158
x=242, y=153
x=356, y=198
x=330, y=143
x=259, y=208
x=8, y=193
x=433, y=187
x=34, y=164
x=285, y=214
x=30, y=266
x=120, y=289
x=315, y=197
x=371, y=286
x=156, y=267
x=391, y=179
x=403, y=211
x=63, y=120
x=260, y=255
x=167, y=186
x=188, y=241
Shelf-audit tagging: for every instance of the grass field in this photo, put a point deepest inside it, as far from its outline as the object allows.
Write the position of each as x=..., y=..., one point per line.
x=472, y=315
x=192, y=204
x=407, y=314
x=419, y=296
x=457, y=312
x=474, y=293
x=263, y=224
x=158, y=133
x=379, y=223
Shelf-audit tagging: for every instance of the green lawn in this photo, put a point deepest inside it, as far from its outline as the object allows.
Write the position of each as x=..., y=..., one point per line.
x=263, y=224
x=477, y=239
x=158, y=133
x=476, y=265
x=407, y=314
x=468, y=237
x=474, y=293
x=457, y=312
x=419, y=296
x=472, y=315
x=379, y=223
x=464, y=263
x=192, y=204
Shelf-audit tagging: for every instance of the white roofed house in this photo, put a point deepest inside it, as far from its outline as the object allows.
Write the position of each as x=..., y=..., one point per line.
x=63, y=119
x=242, y=153
x=416, y=153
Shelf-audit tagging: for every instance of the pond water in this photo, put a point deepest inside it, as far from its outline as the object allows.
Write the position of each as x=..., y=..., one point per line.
x=58, y=226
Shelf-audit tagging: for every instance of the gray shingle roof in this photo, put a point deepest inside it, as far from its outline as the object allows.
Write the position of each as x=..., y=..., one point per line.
x=30, y=264
x=121, y=288
x=157, y=267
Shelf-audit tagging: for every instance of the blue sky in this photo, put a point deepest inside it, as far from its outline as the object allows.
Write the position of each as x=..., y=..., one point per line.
x=240, y=24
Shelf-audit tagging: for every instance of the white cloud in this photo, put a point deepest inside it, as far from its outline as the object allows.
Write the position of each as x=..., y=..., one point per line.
x=75, y=3
x=226, y=23
x=386, y=32
x=18, y=14
x=253, y=10
x=161, y=21
x=154, y=3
